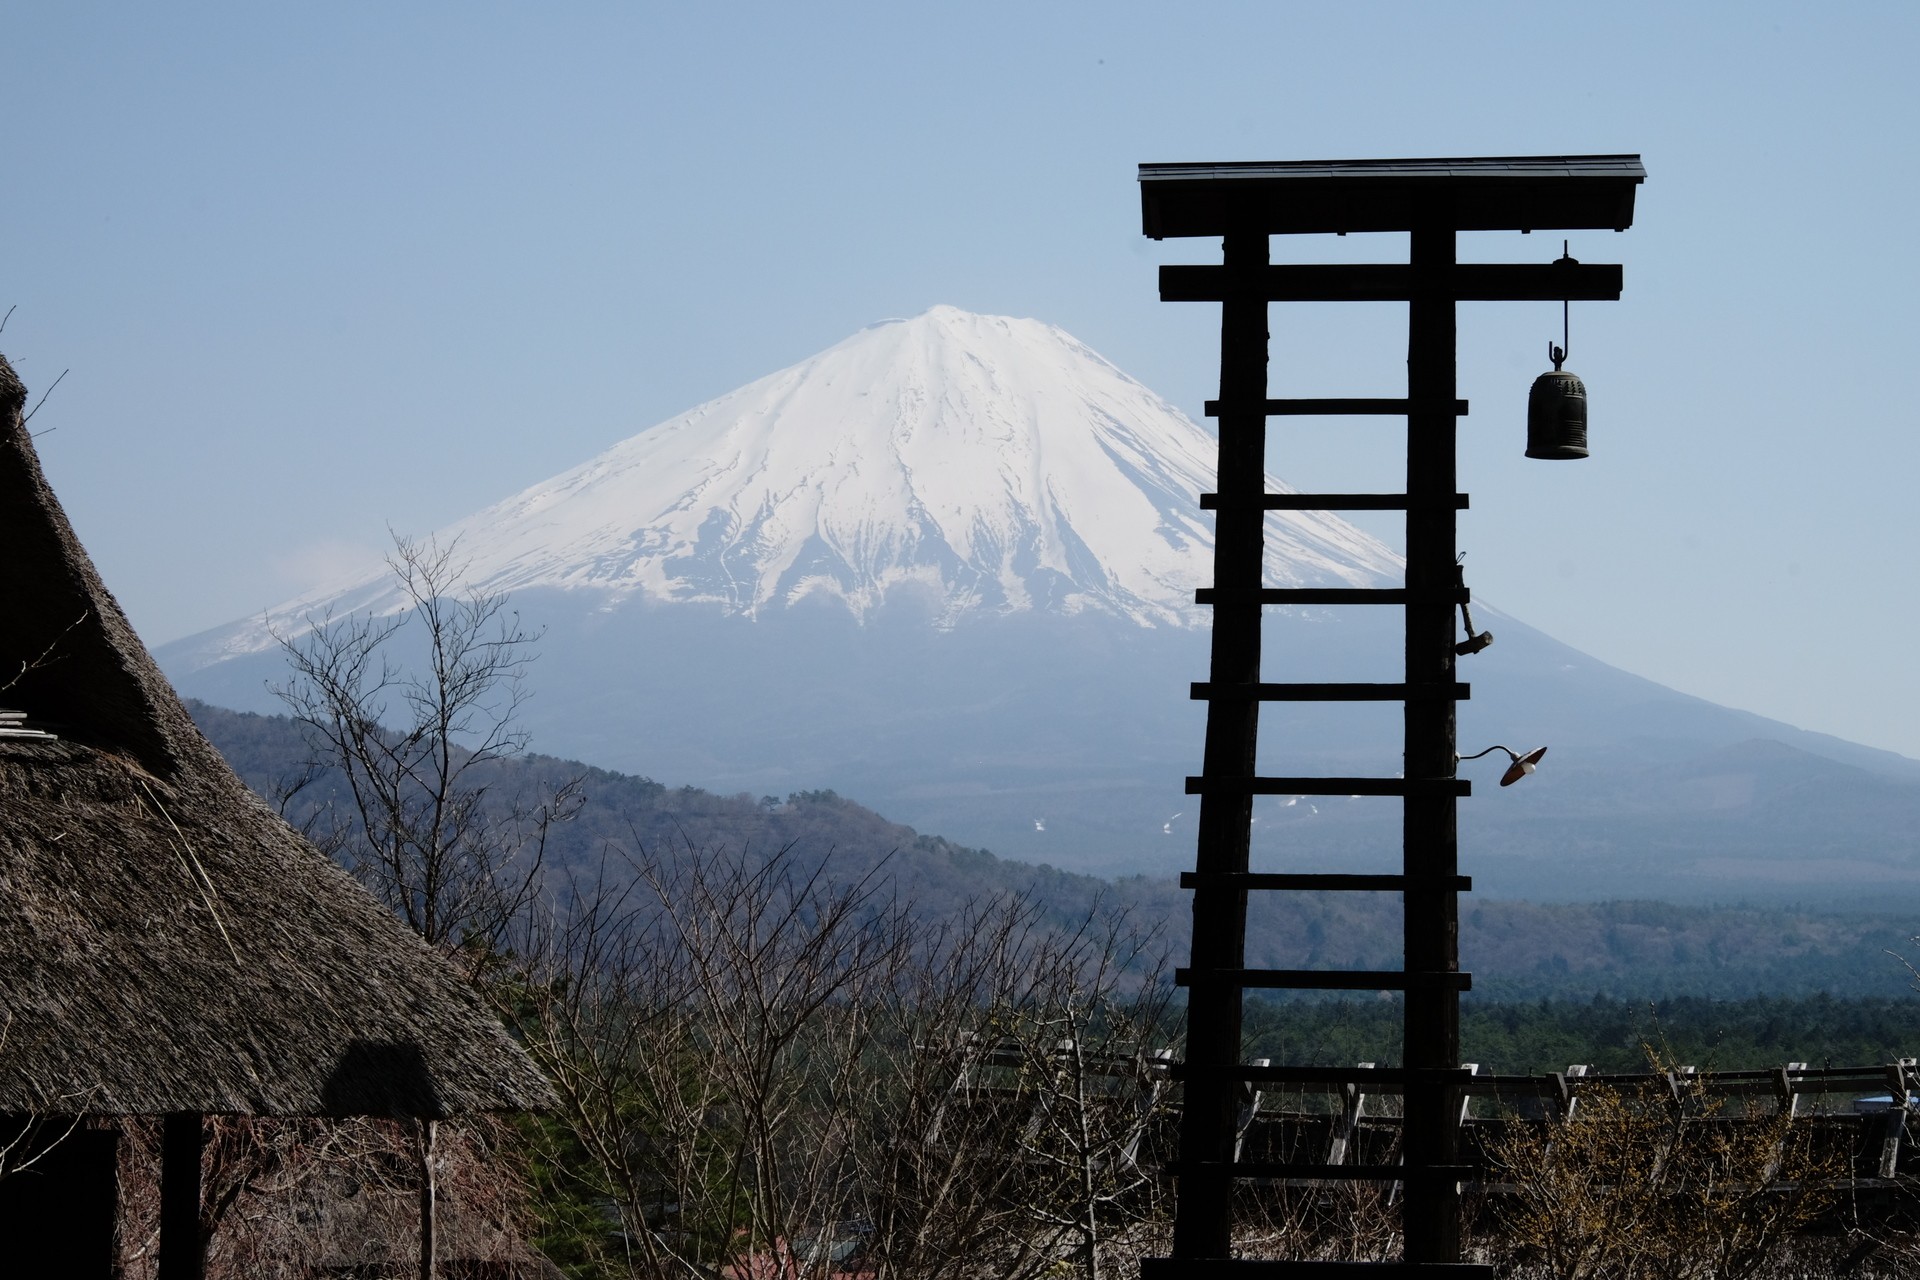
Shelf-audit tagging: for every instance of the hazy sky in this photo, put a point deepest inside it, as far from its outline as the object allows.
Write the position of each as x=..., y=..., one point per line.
x=322, y=269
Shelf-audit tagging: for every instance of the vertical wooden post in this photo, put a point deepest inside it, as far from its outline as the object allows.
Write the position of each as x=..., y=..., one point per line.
x=425, y=1132
x=1203, y=1218
x=183, y=1143
x=1429, y=835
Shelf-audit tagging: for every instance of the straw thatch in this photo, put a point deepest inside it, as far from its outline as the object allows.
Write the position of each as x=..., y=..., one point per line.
x=167, y=943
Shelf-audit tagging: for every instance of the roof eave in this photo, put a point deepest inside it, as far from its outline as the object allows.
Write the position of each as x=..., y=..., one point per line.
x=1506, y=193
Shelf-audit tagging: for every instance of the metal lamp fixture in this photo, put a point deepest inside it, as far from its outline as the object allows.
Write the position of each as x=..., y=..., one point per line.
x=1557, y=405
x=1522, y=764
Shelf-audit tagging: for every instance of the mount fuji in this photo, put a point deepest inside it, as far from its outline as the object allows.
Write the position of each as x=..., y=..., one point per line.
x=978, y=465
x=946, y=567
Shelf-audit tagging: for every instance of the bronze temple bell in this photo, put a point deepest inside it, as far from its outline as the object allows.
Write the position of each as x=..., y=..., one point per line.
x=1557, y=405
x=1557, y=413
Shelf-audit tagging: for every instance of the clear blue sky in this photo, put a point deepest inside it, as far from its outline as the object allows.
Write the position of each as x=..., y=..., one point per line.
x=321, y=269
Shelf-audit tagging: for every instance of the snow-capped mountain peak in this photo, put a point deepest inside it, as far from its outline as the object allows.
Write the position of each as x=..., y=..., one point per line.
x=982, y=463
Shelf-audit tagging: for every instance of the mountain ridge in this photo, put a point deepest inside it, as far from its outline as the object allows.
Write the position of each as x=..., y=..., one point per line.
x=1519, y=950
x=1051, y=721
x=984, y=463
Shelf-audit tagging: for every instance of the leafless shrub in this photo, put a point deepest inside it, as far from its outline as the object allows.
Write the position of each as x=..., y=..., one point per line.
x=765, y=1073
x=1665, y=1182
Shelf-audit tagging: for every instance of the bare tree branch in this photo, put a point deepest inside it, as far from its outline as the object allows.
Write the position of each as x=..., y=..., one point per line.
x=46, y=657
x=42, y=400
x=421, y=823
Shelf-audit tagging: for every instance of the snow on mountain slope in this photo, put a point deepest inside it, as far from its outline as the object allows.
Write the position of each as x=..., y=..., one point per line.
x=992, y=465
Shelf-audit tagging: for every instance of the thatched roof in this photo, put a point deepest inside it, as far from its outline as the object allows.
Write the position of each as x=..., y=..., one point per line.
x=167, y=943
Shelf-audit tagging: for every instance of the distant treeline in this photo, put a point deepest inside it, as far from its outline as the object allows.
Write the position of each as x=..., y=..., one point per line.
x=1516, y=1037
x=1517, y=951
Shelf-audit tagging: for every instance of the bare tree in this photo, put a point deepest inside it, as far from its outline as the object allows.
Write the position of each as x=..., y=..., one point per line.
x=704, y=1022
x=1091, y=1042
x=25, y=1140
x=411, y=745
x=1662, y=1182
x=934, y=1145
x=774, y=1076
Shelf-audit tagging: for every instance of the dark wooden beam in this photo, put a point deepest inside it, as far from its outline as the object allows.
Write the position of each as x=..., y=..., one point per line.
x=1275, y=1170
x=424, y=1132
x=182, y=1146
x=1247, y=785
x=58, y=1213
x=1276, y=1269
x=1348, y=882
x=1447, y=596
x=1394, y=282
x=1203, y=691
x=1209, y=1119
x=1347, y=408
x=1376, y=1079
x=1450, y=981
x=1471, y=193
x=1329, y=502
x=1429, y=834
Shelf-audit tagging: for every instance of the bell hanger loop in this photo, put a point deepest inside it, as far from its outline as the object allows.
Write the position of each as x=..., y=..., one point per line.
x=1559, y=354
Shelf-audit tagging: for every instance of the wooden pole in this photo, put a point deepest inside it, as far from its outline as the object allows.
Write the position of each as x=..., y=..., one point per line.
x=425, y=1133
x=182, y=1146
x=1203, y=1218
x=1430, y=843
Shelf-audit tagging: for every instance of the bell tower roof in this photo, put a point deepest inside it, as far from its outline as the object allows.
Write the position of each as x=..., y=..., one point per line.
x=1486, y=193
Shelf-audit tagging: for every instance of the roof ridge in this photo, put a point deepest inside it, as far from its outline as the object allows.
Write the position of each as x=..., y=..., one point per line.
x=71, y=659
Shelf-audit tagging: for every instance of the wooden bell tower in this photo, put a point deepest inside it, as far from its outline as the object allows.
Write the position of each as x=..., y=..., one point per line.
x=1244, y=205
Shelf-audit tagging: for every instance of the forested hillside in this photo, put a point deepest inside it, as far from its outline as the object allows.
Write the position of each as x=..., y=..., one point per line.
x=1627, y=950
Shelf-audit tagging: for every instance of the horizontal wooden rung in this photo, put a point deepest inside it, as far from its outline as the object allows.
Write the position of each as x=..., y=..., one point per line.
x=1244, y=785
x=1275, y=1169
x=1332, y=595
x=1550, y=1084
x=1346, y=408
x=1372, y=1079
x=1328, y=1172
x=1324, y=979
x=1394, y=282
x=1282, y=1269
x=1204, y=691
x=1324, y=502
x=1339, y=882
